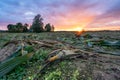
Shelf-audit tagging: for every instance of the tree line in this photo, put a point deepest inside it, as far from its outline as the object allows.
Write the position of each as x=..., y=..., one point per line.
x=37, y=26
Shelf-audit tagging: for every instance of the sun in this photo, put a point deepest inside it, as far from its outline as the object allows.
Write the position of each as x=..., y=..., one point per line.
x=79, y=29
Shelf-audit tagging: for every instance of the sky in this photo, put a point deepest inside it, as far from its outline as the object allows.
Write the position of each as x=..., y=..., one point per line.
x=65, y=15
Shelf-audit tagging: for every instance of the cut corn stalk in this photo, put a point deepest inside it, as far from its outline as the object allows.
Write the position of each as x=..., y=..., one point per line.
x=15, y=53
x=10, y=64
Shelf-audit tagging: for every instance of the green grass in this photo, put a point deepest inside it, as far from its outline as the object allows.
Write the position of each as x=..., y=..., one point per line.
x=28, y=70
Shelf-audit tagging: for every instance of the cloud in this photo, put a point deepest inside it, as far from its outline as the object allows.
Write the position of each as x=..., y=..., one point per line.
x=109, y=18
x=62, y=13
x=29, y=13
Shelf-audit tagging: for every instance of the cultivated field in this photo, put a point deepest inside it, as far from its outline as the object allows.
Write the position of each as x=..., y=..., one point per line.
x=97, y=58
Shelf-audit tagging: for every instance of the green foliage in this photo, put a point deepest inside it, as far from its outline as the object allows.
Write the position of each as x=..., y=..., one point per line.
x=75, y=75
x=64, y=70
x=37, y=25
x=19, y=27
x=41, y=54
x=55, y=75
x=25, y=27
x=10, y=64
x=11, y=28
x=48, y=27
x=29, y=49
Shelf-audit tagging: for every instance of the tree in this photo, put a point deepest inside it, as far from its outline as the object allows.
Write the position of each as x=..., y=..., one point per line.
x=19, y=27
x=48, y=27
x=19, y=24
x=53, y=28
x=25, y=27
x=9, y=27
x=37, y=25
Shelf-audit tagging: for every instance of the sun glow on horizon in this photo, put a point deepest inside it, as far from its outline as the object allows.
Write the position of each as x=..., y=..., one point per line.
x=78, y=29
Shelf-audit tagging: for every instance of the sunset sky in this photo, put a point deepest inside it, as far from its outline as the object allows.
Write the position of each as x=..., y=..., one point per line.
x=66, y=15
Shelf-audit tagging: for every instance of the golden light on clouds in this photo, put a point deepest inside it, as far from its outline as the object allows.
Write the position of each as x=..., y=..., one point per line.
x=78, y=29
x=65, y=15
x=73, y=24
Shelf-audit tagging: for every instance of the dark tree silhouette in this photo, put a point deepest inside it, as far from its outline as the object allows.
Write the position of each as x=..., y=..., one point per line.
x=10, y=27
x=25, y=27
x=48, y=27
x=53, y=28
x=19, y=27
x=37, y=25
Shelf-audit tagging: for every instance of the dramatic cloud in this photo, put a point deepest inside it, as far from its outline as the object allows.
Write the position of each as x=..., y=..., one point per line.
x=64, y=14
x=109, y=19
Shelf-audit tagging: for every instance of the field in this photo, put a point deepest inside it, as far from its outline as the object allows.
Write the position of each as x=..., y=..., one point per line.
x=98, y=60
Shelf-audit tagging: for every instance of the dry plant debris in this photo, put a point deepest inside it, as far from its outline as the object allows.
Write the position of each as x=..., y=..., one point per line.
x=101, y=66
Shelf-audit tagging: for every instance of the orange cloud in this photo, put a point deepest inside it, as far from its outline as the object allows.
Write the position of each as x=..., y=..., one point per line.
x=76, y=23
